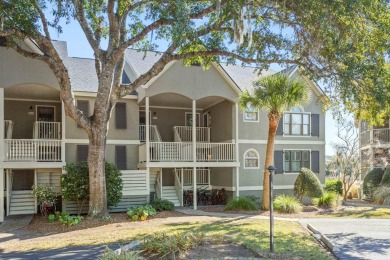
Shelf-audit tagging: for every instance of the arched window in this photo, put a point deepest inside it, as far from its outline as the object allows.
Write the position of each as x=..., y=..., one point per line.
x=251, y=159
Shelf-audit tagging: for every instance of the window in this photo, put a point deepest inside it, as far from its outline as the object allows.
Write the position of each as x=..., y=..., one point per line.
x=296, y=122
x=82, y=153
x=251, y=159
x=83, y=105
x=120, y=157
x=120, y=116
x=251, y=114
x=294, y=160
x=189, y=119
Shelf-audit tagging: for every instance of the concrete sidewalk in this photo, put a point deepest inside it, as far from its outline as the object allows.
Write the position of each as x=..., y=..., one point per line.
x=15, y=222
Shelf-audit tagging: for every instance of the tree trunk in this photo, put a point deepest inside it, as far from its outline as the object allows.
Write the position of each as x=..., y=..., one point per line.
x=96, y=165
x=273, y=120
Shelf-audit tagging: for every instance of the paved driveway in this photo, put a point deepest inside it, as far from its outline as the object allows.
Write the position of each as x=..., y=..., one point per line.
x=356, y=238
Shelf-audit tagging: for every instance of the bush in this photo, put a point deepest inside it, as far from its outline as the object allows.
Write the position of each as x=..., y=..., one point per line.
x=382, y=195
x=162, y=205
x=327, y=200
x=307, y=183
x=141, y=212
x=44, y=193
x=287, y=204
x=241, y=203
x=75, y=184
x=110, y=254
x=168, y=245
x=335, y=186
x=386, y=178
x=65, y=219
x=372, y=181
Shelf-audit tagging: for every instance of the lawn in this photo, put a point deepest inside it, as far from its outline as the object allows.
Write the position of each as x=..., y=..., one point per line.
x=291, y=240
x=358, y=212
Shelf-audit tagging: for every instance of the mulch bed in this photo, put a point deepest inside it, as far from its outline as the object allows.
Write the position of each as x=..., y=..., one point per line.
x=41, y=226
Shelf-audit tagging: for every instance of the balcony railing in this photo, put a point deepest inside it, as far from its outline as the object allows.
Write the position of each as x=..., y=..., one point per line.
x=47, y=130
x=183, y=152
x=184, y=134
x=375, y=136
x=32, y=150
x=154, y=134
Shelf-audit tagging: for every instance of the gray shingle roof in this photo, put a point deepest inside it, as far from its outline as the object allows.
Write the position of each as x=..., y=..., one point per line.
x=141, y=61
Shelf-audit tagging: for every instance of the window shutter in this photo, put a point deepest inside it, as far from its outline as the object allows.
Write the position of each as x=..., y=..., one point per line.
x=120, y=157
x=83, y=105
x=82, y=153
x=279, y=131
x=120, y=116
x=315, y=125
x=278, y=161
x=315, y=161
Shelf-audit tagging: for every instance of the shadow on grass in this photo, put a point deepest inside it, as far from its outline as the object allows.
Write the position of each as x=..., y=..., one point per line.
x=368, y=212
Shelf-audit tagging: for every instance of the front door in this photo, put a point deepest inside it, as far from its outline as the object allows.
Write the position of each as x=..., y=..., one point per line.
x=46, y=113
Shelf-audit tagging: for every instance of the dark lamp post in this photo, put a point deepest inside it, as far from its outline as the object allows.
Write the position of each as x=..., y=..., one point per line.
x=271, y=170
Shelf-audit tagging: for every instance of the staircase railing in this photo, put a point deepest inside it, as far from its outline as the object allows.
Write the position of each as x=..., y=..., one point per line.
x=178, y=187
x=154, y=134
x=158, y=187
x=8, y=129
x=47, y=130
x=184, y=134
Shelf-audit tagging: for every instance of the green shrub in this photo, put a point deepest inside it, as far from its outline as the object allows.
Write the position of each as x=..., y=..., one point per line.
x=65, y=218
x=75, y=184
x=372, y=181
x=382, y=195
x=241, y=203
x=386, y=178
x=307, y=183
x=44, y=193
x=51, y=218
x=287, y=204
x=141, y=212
x=165, y=245
x=162, y=205
x=335, y=186
x=327, y=200
x=109, y=254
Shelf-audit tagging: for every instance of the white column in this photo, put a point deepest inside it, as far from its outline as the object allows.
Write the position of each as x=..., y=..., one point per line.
x=2, y=193
x=147, y=130
x=63, y=119
x=237, y=172
x=2, y=125
x=194, y=130
x=195, y=191
x=182, y=186
x=148, y=184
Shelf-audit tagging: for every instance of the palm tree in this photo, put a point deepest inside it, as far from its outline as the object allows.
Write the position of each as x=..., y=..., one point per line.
x=275, y=94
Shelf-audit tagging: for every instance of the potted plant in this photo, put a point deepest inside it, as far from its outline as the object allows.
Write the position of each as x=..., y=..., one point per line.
x=46, y=197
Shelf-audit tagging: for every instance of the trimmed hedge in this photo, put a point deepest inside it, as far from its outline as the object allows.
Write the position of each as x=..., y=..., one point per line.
x=162, y=205
x=372, y=181
x=335, y=186
x=307, y=183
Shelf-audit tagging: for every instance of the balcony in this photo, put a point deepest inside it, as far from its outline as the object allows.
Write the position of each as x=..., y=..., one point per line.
x=375, y=137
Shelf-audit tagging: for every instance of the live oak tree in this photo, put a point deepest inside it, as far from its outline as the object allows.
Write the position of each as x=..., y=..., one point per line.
x=341, y=42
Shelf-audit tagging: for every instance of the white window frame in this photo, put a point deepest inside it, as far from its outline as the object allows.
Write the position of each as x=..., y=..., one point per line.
x=38, y=106
x=303, y=112
x=258, y=159
x=254, y=111
x=197, y=115
x=284, y=154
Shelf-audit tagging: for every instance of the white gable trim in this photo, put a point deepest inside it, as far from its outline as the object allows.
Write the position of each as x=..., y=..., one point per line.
x=319, y=92
x=32, y=45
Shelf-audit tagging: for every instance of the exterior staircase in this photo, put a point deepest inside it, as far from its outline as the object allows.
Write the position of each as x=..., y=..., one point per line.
x=169, y=193
x=21, y=202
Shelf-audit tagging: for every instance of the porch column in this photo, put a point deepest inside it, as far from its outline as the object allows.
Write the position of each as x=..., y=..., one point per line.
x=2, y=125
x=148, y=184
x=2, y=193
x=237, y=172
x=194, y=152
x=63, y=118
x=147, y=130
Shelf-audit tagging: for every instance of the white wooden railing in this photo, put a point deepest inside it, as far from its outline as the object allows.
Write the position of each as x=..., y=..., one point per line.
x=47, y=130
x=182, y=151
x=375, y=136
x=158, y=186
x=184, y=134
x=154, y=134
x=202, y=176
x=178, y=187
x=34, y=150
x=216, y=152
x=8, y=128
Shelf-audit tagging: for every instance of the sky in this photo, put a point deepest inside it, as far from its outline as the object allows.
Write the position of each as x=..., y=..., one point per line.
x=78, y=47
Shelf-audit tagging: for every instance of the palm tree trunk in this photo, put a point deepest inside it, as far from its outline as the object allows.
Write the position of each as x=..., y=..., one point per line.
x=273, y=120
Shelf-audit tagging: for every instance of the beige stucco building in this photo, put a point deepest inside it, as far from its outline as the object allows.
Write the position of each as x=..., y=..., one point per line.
x=152, y=137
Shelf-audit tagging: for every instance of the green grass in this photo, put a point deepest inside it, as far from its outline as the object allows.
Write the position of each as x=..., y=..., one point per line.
x=291, y=240
x=287, y=204
x=360, y=212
